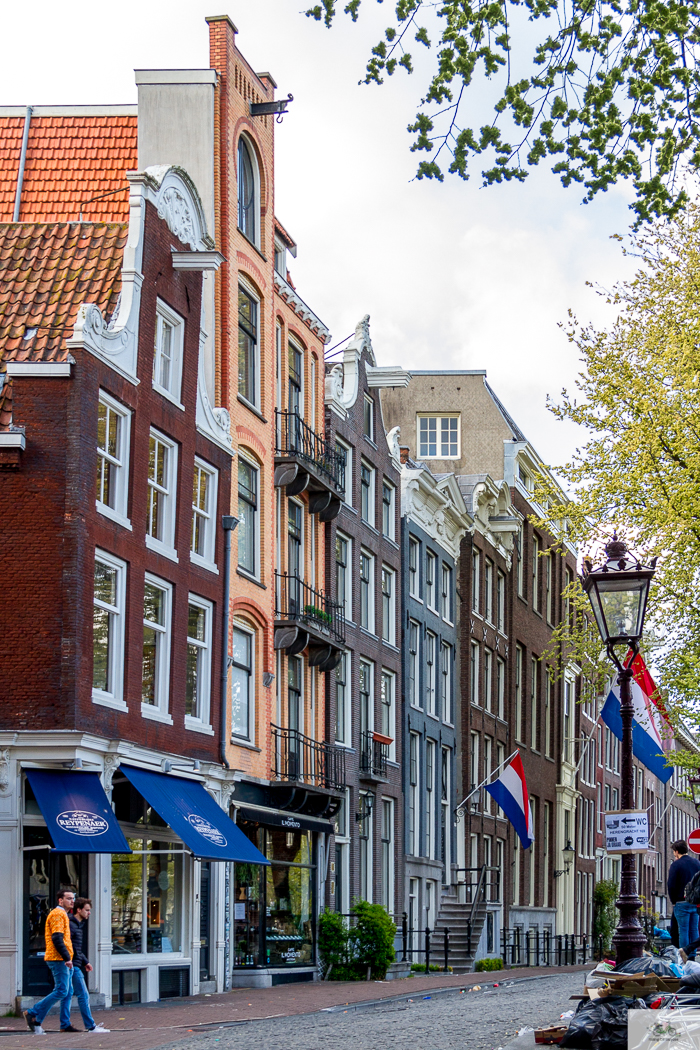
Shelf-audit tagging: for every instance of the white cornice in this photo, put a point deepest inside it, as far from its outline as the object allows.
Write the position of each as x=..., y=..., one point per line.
x=205, y=260
x=379, y=376
x=43, y=369
x=13, y=438
x=436, y=505
x=303, y=312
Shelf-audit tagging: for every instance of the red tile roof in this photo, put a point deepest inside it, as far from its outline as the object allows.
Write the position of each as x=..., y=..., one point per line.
x=47, y=271
x=70, y=160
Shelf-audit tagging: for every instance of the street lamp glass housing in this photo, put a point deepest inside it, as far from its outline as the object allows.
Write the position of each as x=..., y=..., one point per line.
x=569, y=853
x=694, y=785
x=618, y=594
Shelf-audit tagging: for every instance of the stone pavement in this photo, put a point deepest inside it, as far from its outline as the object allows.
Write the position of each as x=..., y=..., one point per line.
x=145, y=1027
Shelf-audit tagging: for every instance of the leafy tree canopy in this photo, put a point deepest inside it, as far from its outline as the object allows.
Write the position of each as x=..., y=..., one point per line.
x=609, y=89
x=639, y=471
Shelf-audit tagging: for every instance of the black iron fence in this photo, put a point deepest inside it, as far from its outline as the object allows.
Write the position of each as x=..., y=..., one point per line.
x=298, y=758
x=374, y=755
x=295, y=438
x=298, y=601
x=425, y=946
x=535, y=947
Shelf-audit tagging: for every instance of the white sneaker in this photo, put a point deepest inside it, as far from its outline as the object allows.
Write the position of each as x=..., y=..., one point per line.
x=100, y=1028
x=38, y=1030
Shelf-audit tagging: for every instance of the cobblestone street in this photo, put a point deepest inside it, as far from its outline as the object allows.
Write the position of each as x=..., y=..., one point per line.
x=468, y=1021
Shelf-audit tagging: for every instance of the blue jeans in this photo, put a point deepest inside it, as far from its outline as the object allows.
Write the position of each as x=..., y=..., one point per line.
x=687, y=919
x=80, y=989
x=62, y=992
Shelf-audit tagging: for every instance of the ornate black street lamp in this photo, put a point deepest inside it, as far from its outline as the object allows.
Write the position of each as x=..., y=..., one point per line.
x=618, y=592
x=694, y=785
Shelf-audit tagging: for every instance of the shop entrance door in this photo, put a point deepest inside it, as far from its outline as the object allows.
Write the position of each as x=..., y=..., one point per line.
x=45, y=874
x=204, y=920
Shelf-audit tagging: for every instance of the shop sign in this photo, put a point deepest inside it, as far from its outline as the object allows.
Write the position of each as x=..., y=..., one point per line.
x=207, y=830
x=82, y=822
x=627, y=831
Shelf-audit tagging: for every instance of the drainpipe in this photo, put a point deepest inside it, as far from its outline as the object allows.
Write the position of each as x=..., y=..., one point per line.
x=22, y=162
x=228, y=523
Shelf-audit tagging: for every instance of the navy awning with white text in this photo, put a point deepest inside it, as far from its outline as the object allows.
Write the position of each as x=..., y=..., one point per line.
x=77, y=812
x=194, y=815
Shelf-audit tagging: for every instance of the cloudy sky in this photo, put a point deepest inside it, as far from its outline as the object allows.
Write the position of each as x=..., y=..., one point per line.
x=452, y=275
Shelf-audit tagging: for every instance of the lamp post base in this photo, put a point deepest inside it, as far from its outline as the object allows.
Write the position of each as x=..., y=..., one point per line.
x=629, y=938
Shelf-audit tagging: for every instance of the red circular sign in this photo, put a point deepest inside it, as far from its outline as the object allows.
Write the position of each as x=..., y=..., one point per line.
x=694, y=841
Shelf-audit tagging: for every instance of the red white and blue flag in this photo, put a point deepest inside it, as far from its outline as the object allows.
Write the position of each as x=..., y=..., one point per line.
x=510, y=792
x=650, y=727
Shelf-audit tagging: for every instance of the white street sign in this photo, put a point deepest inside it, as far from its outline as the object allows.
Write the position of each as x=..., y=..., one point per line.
x=627, y=831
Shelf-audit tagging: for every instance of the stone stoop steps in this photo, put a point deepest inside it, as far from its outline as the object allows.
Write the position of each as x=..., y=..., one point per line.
x=455, y=917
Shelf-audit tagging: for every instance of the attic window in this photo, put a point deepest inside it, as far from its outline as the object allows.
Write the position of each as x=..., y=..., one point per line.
x=280, y=259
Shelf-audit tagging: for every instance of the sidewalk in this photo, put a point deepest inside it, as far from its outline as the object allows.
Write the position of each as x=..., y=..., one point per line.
x=160, y=1024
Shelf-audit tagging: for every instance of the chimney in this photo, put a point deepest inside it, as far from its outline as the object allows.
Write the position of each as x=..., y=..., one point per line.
x=404, y=450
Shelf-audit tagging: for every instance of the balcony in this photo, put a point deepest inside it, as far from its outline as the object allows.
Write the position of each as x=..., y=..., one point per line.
x=374, y=756
x=305, y=462
x=306, y=618
x=307, y=775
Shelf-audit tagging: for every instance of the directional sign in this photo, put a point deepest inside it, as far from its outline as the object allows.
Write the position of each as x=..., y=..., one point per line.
x=694, y=841
x=627, y=831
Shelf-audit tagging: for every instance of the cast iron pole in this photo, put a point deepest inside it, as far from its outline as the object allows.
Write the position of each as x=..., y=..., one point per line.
x=629, y=938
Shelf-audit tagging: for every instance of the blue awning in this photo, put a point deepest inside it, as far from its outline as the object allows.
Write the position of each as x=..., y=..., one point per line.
x=77, y=812
x=194, y=815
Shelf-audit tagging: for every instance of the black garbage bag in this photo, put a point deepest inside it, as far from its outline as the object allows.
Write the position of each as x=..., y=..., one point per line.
x=647, y=964
x=600, y=1024
x=690, y=983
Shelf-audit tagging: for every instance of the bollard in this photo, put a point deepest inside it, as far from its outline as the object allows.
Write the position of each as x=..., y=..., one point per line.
x=446, y=946
x=527, y=947
x=427, y=950
x=558, y=949
x=404, y=935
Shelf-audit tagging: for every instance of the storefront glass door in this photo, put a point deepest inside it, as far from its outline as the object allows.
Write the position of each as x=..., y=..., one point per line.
x=274, y=908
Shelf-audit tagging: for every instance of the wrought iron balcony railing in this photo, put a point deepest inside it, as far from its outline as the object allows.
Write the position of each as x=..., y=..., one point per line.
x=374, y=754
x=298, y=601
x=295, y=439
x=299, y=759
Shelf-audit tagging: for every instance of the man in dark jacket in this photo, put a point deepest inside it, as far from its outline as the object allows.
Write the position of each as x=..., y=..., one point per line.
x=81, y=966
x=679, y=875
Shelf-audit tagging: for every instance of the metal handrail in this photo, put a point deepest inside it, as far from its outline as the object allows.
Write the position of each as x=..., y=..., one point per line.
x=373, y=755
x=299, y=759
x=294, y=437
x=297, y=600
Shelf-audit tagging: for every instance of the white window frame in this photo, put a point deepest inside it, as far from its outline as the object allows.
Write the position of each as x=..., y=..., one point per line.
x=488, y=680
x=166, y=545
x=414, y=694
x=500, y=602
x=431, y=561
x=500, y=688
x=446, y=595
x=474, y=674
x=391, y=532
x=243, y=628
x=446, y=682
x=159, y=712
x=368, y=404
x=166, y=315
x=370, y=624
x=413, y=845
x=388, y=676
x=476, y=581
x=519, y=671
x=201, y=723
x=371, y=494
x=387, y=837
x=346, y=662
x=120, y=462
x=117, y=612
x=367, y=875
x=422, y=453
x=347, y=574
x=414, y=568
x=389, y=629
x=253, y=156
x=431, y=642
x=488, y=590
x=347, y=449
x=430, y=774
x=208, y=516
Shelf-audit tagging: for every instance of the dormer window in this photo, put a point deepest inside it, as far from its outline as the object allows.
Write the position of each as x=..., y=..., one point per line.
x=280, y=259
x=438, y=437
x=248, y=192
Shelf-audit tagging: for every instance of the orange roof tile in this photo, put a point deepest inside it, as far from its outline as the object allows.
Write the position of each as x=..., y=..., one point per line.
x=70, y=160
x=47, y=271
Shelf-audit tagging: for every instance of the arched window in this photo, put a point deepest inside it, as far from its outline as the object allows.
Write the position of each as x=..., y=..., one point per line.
x=247, y=192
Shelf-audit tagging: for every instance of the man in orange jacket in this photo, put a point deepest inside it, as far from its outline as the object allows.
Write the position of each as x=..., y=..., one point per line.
x=59, y=959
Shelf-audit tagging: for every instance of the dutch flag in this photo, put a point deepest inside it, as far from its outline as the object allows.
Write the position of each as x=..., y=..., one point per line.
x=510, y=792
x=650, y=727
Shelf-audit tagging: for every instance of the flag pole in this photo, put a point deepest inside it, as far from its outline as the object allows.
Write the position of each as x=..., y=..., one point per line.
x=486, y=780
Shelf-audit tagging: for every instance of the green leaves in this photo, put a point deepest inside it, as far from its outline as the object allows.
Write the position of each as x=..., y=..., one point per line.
x=612, y=90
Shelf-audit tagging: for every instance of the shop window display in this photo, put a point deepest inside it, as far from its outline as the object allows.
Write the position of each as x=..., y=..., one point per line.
x=274, y=906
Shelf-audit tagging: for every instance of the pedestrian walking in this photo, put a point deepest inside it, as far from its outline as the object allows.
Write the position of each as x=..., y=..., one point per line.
x=680, y=873
x=59, y=959
x=81, y=965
